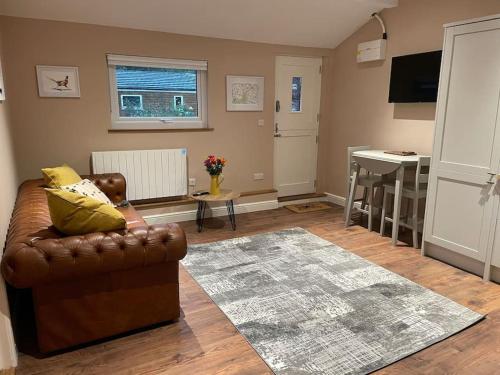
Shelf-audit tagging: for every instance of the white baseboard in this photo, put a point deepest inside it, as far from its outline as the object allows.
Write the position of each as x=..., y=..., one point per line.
x=340, y=201
x=335, y=199
x=175, y=217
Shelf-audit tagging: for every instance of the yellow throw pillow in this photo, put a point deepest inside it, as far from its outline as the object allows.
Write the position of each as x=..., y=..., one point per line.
x=59, y=176
x=73, y=214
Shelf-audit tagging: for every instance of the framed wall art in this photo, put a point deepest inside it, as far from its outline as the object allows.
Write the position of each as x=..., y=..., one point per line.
x=245, y=93
x=58, y=81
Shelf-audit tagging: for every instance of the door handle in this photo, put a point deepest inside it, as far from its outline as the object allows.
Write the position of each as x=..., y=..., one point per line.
x=277, y=135
x=492, y=178
x=278, y=106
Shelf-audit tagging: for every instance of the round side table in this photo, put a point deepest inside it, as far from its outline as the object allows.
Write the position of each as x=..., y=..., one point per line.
x=227, y=196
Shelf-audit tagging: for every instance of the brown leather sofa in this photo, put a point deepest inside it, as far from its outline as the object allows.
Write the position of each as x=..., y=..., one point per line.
x=65, y=291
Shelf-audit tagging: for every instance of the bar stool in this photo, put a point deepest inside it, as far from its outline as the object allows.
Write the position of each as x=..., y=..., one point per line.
x=367, y=180
x=415, y=191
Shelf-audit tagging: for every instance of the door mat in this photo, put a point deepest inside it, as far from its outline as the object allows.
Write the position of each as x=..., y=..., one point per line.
x=308, y=207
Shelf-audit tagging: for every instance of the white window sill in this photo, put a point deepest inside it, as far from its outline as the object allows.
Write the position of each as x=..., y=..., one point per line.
x=158, y=125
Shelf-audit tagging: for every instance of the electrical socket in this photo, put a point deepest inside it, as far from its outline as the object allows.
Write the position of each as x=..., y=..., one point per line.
x=192, y=181
x=258, y=176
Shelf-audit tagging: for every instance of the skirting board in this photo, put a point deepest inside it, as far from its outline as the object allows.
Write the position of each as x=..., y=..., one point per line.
x=175, y=217
x=340, y=201
x=336, y=199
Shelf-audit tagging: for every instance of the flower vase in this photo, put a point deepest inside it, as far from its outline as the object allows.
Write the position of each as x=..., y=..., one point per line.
x=214, y=185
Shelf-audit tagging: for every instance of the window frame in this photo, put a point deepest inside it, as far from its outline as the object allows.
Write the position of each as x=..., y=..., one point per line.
x=158, y=123
x=141, y=105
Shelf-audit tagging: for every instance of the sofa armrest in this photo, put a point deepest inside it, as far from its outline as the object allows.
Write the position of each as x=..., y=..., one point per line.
x=111, y=184
x=25, y=265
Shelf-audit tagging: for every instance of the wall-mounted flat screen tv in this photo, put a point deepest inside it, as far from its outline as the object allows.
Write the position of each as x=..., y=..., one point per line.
x=415, y=78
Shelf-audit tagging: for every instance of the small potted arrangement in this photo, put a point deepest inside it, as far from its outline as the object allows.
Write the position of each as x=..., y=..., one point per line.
x=214, y=166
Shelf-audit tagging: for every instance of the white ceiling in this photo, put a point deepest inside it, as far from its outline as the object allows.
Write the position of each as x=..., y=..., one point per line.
x=310, y=23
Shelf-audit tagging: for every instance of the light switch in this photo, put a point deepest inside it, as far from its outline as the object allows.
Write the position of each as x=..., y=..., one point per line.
x=258, y=176
x=260, y=122
x=192, y=181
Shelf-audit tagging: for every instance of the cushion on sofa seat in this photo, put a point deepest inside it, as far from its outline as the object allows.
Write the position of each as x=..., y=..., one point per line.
x=89, y=189
x=74, y=214
x=59, y=176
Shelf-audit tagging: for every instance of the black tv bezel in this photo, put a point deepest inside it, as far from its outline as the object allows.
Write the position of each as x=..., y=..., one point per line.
x=391, y=98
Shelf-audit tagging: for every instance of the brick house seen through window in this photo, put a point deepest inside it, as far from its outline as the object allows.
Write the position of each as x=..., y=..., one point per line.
x=169, y=93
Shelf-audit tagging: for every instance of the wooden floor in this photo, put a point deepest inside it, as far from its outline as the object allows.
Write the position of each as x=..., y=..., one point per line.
x=205, y=342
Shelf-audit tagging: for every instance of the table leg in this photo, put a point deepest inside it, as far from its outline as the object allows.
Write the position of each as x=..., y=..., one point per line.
x=200, y=214
x=352, y=194
x=370, y=208
x=397, y=204
x=230, y=213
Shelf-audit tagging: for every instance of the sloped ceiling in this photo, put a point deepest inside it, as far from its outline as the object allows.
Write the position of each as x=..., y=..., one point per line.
x=309, y=23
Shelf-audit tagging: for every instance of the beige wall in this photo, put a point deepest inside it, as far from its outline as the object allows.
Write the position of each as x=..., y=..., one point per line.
x=50, y=131
x=7, y=198
x=360, y=113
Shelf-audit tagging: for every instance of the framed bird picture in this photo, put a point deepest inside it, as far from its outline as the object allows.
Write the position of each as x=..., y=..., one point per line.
x=58, y=81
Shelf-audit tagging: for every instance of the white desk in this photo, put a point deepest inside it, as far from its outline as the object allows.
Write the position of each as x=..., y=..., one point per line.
x=377, y=161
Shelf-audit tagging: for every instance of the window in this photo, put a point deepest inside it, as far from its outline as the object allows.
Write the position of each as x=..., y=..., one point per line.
x=178, y=101
x=152, y=93
x=130, y=102
x=296, y=94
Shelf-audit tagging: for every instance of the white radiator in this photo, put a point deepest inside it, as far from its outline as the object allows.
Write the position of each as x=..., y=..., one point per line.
x=149, y=173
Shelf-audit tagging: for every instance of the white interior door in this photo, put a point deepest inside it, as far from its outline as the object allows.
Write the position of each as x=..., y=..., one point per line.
x=467, y=141
x=298, y=94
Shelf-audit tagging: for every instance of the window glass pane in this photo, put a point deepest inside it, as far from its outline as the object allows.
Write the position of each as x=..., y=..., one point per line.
x=156, y=92
x=132, y=102
x=296, y=94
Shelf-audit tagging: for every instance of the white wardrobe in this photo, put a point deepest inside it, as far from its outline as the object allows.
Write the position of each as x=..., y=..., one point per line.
x=462, y=224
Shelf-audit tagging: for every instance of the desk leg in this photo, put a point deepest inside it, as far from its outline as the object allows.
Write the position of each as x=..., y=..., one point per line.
x=200, y=214
x=397, y=204
x=352, y=195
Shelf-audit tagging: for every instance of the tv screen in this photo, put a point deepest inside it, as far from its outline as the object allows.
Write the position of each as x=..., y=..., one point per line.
x=415, y=78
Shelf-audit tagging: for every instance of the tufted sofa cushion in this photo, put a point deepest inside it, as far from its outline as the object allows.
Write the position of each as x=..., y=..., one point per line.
x=112, y=184
x=36, y=253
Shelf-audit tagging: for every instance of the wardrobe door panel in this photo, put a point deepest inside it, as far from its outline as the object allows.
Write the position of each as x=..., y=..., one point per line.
x=460, y=221
x=472, y=103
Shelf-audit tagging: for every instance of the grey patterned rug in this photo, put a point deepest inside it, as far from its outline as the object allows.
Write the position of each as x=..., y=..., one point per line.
x=309, y=307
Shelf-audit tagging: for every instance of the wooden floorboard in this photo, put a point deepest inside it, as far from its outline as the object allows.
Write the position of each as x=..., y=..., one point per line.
x=204, y=341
